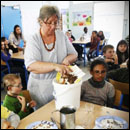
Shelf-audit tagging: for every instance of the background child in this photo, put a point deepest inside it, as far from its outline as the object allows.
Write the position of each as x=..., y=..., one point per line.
x=9, y=120
x=110, y=57
x=9, y=46
x=14, y=100
x=5, y=56
x=96, y=89
x=94, y=43
x=122, y=51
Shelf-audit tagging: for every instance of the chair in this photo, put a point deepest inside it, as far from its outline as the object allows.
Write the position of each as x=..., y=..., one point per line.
x=118, y=99
x=99, y=50
x=123, y=87
x=27, y=96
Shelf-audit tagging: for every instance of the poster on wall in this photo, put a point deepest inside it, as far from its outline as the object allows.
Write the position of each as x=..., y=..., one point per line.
x=82, y=18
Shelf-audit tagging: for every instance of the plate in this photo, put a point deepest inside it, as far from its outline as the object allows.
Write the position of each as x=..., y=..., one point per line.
x=111, y=122
x=42, y=125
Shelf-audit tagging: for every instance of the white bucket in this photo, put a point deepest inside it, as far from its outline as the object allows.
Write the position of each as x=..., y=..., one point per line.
x=67, y=94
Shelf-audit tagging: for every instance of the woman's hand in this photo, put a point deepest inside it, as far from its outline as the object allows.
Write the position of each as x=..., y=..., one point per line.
x=65, y=62
x=22, y=101
x=63, y=69
x=32, y=103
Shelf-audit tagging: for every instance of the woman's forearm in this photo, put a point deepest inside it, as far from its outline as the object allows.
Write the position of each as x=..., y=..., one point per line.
x=70, y=59
x=41, y=67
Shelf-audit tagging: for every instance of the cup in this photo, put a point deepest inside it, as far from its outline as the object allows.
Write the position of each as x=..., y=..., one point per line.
x=67, y=117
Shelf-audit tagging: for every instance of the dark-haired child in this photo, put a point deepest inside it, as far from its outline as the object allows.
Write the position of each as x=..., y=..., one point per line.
x=96, y=90
x=122, y=51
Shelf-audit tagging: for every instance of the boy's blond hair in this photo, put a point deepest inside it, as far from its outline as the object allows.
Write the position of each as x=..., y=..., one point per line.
x=9, y=80
x=106, y=47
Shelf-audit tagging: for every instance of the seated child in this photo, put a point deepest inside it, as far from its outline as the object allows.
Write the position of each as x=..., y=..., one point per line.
x=120, y=75
x=14, y=100
x=96, y=90
x=9, y=46
x=94, y=43
x=122, y=51
x=110, y=57
x=9, y=120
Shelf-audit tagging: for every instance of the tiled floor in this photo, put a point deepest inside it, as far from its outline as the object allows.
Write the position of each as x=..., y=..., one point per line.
x=85, y=69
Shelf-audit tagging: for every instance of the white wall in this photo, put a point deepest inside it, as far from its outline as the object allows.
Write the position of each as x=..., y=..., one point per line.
x=83, y=7
x=108, y=17
x=126, y=20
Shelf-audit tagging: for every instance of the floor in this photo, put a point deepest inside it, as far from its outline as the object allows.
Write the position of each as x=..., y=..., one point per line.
x=84, y=69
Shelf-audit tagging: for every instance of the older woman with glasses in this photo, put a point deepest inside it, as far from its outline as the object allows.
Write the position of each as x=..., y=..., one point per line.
x=48, y=52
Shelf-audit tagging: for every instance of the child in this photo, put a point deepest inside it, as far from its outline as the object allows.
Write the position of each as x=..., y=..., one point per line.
x=94, y=43
x=14, y=100
x=96, y=90
x=9, y=120
x=110, y=57
x=120, y=75
x=9, y=46
x=5, y=56
x=122, y=51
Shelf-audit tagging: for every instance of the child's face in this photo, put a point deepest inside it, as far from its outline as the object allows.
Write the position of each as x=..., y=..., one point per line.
x=16, y=88
x=99, y=73
x=122, y=48
x=94, y=34
x=2, y=45
x=6, y=41
x=109, y=53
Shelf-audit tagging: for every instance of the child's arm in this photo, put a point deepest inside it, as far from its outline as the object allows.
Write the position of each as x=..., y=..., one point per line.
x=22, y=101
x=111, y=96
x=13, y=119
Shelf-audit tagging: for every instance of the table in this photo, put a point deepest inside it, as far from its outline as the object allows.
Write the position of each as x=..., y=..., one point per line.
x=83, y=43
x=85, y=115
x=19, y=55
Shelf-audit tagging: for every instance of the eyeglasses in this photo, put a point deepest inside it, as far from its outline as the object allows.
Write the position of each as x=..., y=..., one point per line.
x=18, y=86
x=50, y=24
x=98, y=72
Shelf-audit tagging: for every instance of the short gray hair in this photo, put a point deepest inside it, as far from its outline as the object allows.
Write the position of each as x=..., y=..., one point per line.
x=47, y=11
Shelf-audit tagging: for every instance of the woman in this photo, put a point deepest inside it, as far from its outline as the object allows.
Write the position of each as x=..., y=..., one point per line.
x=48, y=51
x=16, y=36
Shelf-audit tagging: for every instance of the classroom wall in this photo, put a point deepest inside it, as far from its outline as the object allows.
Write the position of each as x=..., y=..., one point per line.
x=109, y=17
x=126, y=20
x=30, y=13
x=77, y=31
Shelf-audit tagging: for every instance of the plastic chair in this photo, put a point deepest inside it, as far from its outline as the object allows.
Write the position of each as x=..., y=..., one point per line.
x=123, y=87
x=99, y=50
x=27, y=96
x=118, y=99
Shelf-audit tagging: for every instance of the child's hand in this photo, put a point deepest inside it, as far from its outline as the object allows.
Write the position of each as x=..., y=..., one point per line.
x=115, y=58
x=109, y=60
x=5, y=125
x=32, y=103
x=22, y=101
